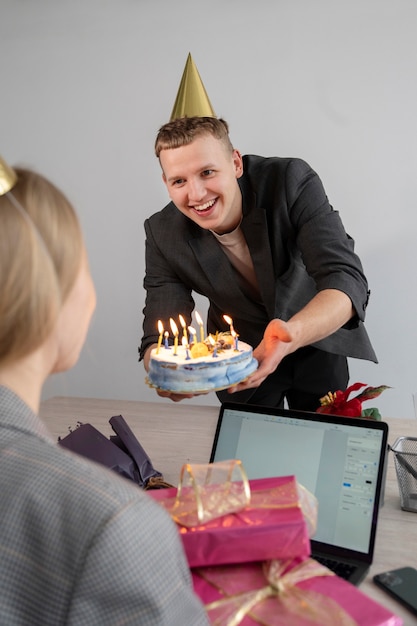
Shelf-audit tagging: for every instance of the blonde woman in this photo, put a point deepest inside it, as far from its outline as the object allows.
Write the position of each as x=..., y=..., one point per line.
x=78, y=544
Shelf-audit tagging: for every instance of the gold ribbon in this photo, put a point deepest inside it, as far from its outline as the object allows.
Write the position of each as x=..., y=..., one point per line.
x=291, y=605
x=207, y=492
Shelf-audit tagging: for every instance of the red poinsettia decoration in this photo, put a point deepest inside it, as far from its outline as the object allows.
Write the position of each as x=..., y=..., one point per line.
x=338, y=403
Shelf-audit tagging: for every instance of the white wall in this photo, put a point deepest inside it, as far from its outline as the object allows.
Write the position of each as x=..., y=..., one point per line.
x=85, y=84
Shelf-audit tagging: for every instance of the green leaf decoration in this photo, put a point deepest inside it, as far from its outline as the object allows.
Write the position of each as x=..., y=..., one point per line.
x=372, y=392
x=372, y=414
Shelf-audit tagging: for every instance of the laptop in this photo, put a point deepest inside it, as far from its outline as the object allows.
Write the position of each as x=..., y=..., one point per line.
x=339, y=459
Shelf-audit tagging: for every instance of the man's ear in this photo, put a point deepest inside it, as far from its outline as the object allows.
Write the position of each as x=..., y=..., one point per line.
x=237, y=163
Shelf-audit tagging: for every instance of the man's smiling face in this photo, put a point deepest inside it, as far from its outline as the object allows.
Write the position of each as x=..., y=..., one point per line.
x=201, y=179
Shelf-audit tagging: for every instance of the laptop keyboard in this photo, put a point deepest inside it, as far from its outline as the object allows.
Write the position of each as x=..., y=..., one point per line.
x=344, y=570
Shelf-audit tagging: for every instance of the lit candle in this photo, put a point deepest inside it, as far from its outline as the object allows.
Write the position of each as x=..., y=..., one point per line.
x=161, y=330
x=166, y=344
x=200, y=323
x=229, y=321
x=174, y=329
x=235, y=336
x=185, y=346
x=192, y=331
x=184, y=328
x=213, y=343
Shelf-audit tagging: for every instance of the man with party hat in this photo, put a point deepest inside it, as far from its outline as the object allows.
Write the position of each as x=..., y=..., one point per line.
x=258, y=237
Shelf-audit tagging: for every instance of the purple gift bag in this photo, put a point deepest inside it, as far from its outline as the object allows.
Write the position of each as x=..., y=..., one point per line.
x=122, y=452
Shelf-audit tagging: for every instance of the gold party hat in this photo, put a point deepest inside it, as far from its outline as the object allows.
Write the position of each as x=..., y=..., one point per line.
x=8, y=177
x=192, y=99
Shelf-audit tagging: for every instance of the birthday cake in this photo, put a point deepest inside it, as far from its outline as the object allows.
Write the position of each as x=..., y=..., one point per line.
x=217, y=363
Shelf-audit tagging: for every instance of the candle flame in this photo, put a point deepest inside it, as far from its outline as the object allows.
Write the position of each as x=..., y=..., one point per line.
x=174, y=327
x=234, y=333
x=228, y=319
x=211, y=340
x=192, y=330
x=198, y=318
x=182, y=322
x=160, y=327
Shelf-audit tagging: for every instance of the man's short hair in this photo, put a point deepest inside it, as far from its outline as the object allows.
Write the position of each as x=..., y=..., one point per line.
x=183, y=131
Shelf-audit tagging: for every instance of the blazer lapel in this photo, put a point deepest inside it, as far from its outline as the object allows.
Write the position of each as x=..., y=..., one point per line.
x=218, y=269
x=255, y=229
x=214, y=264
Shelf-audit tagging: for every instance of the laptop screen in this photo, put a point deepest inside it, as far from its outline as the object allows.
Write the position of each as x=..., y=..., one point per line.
x=338, y=459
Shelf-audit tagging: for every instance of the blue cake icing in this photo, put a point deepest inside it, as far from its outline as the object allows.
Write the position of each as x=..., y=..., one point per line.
x=180, y=374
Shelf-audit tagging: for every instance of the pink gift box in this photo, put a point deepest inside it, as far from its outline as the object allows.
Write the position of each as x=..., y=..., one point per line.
x=271, y=527
x=323, y=599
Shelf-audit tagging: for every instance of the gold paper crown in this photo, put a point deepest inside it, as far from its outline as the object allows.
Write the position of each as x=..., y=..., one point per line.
x=8, y=177
x=192, y=99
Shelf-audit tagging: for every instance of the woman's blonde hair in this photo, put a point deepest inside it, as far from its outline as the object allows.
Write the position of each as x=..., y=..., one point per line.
x=40, y=256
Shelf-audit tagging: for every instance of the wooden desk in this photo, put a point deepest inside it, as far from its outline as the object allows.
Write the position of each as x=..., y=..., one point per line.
x=174, y=434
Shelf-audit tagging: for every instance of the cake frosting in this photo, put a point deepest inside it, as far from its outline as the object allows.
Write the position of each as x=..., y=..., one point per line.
x=223, y=362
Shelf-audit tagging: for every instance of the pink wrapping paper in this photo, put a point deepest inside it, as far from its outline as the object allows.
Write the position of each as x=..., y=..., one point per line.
x=272, y=527
x=324, y=599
